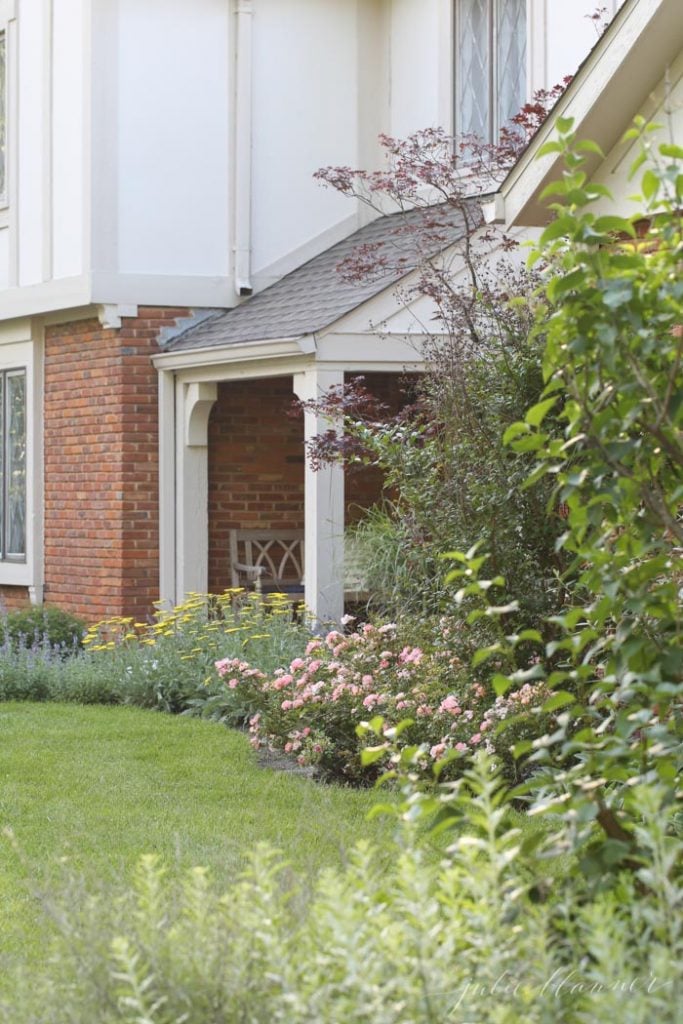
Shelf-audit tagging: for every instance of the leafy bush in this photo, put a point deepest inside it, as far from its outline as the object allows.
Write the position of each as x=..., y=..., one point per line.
x=467, y=936
x=614, y=309
x=312, y=708
x=42, y=624
x=163, y=664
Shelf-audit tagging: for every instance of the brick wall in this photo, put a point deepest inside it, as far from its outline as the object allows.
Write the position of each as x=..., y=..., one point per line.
x=256, y=466
x=12, y=598
x=364, y=485
x=101, y=465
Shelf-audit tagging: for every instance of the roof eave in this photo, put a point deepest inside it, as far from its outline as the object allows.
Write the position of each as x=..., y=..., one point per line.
x=611, y=85
x=246, y=351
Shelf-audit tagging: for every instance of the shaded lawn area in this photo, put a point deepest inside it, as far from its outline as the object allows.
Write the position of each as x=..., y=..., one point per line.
x=90, y=789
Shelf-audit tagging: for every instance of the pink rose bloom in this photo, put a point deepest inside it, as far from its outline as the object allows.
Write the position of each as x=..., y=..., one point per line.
x=450, y=704
x=410, y=654
x=313, y=645
x=437, y=750
x=371, y=700
x=461, y=746
x=297, y=664
x=282, y=682
x=232, y=683
x=298, y=703
x=424, y=710
x=317, y=748
x=287, y=705
x=484, y=726
x=475, y=739
x=367, y=680
x=384, y=663
x=401, y=704
x=314, y=666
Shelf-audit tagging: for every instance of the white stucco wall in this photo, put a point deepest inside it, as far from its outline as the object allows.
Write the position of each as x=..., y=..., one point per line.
x=568, y=35
x=305, y=115
x=122, y=152
x=172, y=128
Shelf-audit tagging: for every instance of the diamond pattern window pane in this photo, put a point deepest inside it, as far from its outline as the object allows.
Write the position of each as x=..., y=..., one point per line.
x=16, y=464
x=473, y=67
x=490, y=64
x=13, y=464
x=510, y=58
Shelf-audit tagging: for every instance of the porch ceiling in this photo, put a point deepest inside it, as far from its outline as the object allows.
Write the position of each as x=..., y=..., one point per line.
x=315, y=295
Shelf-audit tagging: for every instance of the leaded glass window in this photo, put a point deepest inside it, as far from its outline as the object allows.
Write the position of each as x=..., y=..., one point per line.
x=490, y=72
x=13, y=465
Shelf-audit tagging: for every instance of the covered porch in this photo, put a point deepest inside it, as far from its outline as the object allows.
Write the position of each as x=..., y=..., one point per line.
x=232, y=458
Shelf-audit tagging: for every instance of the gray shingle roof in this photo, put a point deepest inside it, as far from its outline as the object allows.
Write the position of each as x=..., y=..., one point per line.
x=316, y=294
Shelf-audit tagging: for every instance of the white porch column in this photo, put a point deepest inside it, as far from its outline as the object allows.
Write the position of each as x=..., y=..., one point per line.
x=167, y=487
x=193, y=406
x=324, y=509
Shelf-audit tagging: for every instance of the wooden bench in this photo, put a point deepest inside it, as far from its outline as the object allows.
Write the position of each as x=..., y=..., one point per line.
x=272, y=561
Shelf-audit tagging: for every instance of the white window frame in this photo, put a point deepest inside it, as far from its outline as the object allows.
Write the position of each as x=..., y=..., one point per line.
x=493, y=70
x=5, y=374
x=21, y=347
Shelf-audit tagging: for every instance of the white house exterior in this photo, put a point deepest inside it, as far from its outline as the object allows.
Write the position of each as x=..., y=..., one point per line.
x=157, y=162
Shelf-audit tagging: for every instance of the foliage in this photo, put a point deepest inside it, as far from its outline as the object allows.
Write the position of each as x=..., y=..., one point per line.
x=43, y=624
x=162, y=664
x=312, y=708
x=449, y=480
x=612, y=366
x=465, y=937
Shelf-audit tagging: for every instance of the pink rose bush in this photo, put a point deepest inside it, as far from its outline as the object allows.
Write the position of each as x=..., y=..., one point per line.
x=312, y=707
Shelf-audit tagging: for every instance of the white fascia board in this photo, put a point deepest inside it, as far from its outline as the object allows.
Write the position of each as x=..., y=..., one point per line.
x=163, y=290
x=227, y=355
x=32, y=300
x=247, y=370
x=358, y=351
x=607, y=92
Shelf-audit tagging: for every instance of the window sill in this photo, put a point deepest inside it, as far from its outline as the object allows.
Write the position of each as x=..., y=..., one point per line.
x=15, y=574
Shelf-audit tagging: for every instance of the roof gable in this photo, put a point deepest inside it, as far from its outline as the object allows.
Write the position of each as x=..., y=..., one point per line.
x=611, y=86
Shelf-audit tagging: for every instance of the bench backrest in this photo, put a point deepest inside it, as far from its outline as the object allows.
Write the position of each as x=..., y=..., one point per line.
x=274, y=556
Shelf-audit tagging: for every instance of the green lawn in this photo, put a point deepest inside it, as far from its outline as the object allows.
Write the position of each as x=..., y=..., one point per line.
x=90, y=789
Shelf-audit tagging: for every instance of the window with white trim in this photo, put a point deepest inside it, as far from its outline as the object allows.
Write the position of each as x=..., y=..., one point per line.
x=13, y=465
x=490, y=65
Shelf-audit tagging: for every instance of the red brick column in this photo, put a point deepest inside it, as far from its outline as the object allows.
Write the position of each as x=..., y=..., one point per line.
x=101, y=465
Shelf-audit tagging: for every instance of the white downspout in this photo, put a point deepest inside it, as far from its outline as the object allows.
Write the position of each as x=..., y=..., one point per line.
x=243, y=130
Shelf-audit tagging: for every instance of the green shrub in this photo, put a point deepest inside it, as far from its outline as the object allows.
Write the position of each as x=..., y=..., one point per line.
x=163, y=665
x=42, y=624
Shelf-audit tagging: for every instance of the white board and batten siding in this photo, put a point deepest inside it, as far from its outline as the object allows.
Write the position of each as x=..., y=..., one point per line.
x=127, y=165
